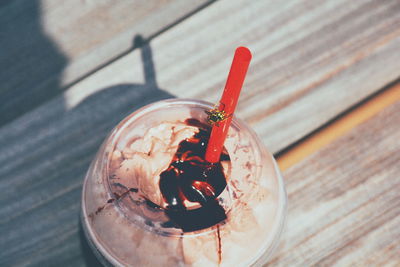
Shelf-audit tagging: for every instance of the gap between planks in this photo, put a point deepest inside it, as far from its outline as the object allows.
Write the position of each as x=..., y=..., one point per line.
x=339, y=127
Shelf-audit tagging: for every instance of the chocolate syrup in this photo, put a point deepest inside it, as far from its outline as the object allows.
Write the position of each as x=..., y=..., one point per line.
x=190, y=177
x=111, y=200
x=219, y=245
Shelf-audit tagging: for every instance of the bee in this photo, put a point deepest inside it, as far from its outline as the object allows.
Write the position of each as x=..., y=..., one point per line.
x=214, y=115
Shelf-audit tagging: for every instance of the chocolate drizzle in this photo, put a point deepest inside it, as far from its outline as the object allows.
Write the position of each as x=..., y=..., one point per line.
x=189, y=177
x=219, y=245
x=111, y=200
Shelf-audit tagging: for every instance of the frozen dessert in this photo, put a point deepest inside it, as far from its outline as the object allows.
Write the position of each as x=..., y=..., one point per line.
x=158, y=203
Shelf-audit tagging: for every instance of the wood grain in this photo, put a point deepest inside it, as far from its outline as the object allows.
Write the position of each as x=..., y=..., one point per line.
x=47, y=45
x=339, y=127
x=311, y=60
x=344, y=201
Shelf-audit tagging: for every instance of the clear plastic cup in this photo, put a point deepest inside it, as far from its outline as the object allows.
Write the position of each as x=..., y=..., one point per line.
x=123, y=229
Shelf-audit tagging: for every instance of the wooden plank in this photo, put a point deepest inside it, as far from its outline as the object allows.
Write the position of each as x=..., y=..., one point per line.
x=311, y=60
x=344, y=202
x=48, y=45
x=339, y=127
x=300, y=78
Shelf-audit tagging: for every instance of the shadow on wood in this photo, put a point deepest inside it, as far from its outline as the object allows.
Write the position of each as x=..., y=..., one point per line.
x=31, y=64
x=47, y=155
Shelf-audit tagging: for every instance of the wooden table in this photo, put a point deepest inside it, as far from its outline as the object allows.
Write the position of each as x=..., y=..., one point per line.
x=322, y=92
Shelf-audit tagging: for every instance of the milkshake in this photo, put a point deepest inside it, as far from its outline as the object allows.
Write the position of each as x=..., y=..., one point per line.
x=150, y=199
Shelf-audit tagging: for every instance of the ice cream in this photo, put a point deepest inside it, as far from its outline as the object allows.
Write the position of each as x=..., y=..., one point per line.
x=125, y=207
x=140, y=164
